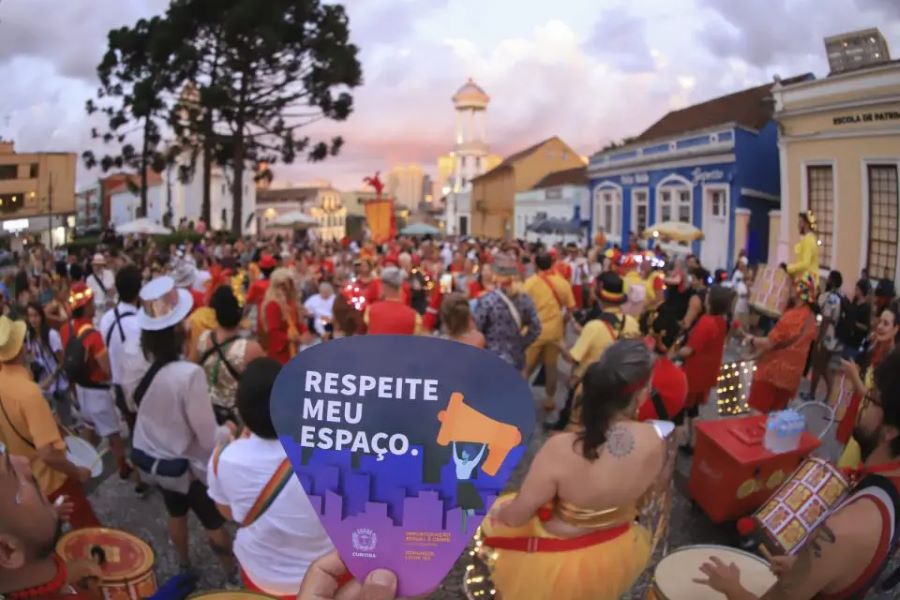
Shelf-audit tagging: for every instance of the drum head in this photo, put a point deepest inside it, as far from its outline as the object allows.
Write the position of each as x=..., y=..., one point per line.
x=126, y=556
x=674, y=575
x=82, y=454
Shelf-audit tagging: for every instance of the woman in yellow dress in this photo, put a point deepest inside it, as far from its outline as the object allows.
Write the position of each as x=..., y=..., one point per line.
x=806, y=251
x=570, y=533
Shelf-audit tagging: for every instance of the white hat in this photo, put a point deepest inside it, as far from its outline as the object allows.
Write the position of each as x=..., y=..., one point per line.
x=163, y=305
x=98, y=259
x=184, y=274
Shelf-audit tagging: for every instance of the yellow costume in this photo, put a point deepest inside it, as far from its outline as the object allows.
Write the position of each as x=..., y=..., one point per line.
x=603, y=571
x=807, y=259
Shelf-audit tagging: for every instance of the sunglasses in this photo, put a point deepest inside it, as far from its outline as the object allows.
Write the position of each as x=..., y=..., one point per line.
x=871, y=399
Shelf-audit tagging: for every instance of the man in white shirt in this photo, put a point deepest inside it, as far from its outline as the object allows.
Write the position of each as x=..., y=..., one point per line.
x=320, y=307
x=103, y=284
x=277, y=547
x=122, y=334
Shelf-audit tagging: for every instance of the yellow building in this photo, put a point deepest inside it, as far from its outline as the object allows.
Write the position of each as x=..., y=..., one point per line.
x=493, y=194
x=37, y=192
x=840, y=156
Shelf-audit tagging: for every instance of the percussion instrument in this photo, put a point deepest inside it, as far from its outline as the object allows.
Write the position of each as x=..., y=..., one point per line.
x=82, y=454
x=673, y=578
x=126, y=561
x=770, y=292
x=803, y=502
x=656, y=504
x=841, y=393
x=228, y=595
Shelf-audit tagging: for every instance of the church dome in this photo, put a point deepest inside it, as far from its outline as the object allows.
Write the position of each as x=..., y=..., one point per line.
x=471, y=96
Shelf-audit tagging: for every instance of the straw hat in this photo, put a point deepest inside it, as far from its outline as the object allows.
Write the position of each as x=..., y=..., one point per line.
x=163, y=305
x=12, y=336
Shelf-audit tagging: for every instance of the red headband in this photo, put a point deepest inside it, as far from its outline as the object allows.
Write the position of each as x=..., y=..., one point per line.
x=633, y=387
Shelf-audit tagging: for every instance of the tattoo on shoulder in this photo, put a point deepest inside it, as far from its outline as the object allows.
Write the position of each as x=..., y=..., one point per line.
x=619, y=442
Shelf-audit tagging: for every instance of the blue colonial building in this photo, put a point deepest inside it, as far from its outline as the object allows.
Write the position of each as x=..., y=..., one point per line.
x=714, y=165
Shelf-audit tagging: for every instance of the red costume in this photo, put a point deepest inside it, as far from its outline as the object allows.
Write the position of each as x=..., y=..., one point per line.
x=707, y=340
x=391, y=317
x=670, y=384
x=280, y=328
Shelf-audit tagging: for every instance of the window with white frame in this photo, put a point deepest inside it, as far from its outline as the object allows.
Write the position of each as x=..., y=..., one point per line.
x=820, y=200
x=608, y=211
x=640, y=210
x=883, y=207
x=675, y=204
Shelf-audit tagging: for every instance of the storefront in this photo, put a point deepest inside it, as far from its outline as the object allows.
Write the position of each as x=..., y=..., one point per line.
x=840, y=156
x=713, y=165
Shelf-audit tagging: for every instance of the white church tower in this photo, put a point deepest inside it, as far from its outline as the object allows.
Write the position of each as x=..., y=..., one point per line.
x=470, y=157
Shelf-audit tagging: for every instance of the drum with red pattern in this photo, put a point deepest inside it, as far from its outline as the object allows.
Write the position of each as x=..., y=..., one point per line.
x=126, y=561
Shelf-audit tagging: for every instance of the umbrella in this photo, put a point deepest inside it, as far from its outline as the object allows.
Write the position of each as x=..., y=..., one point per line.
x=143, y=226
x=674, y=230
x=420, y=229
x=295, y=219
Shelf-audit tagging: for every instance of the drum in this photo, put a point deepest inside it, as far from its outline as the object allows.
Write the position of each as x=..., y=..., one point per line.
x=673, y=578
x=771, y=291
x=803, y=502
x=82, y=454
x=841, y=394
x=125, y=560
x=228, y=595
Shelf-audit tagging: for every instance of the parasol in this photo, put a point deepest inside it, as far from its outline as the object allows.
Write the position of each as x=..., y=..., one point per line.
x=295, y=219
x=142, y=226
x=420, y=229
x=675, y=231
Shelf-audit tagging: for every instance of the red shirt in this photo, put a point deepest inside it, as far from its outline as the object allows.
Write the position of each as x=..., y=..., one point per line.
x=277, y=326
x=707, y=340
x=94, y=347
x=671, y=384
x=199, y=299
x=391, y=318
x=475, y=289
x=564, y=269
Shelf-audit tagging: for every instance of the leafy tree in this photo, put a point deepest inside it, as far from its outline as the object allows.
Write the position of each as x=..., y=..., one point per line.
x=134, y=86
x=262, y=71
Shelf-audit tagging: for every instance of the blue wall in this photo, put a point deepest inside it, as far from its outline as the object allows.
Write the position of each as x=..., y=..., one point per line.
x=756, y=167
x=757, y=156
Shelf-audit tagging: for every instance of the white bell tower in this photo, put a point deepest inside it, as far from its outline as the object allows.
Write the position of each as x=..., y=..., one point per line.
x=471, y=149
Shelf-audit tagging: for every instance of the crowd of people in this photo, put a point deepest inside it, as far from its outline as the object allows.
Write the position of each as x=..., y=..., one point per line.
x=161, y=357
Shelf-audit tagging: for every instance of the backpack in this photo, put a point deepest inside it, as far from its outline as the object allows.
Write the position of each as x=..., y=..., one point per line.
x=845, y=328
x=75, y=357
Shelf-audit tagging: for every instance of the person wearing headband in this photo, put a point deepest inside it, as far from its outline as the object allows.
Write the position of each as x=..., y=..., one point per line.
x=571, y=531
x=784, y=351
x=806, y=251
x=93, y=388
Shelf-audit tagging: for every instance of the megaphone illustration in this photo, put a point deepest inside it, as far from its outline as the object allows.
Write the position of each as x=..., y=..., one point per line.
x=461, y=423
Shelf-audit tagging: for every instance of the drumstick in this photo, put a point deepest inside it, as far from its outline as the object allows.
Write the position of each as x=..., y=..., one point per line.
x=99, y=458
x=765, y=552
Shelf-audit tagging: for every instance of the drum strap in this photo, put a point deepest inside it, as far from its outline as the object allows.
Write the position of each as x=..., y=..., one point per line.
x=28, y=442
x=269, y=493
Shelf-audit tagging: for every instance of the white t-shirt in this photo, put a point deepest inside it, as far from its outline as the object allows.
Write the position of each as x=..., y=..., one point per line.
x=117, y=347
x=101, y=297
x=277, y=549
x=320, y=308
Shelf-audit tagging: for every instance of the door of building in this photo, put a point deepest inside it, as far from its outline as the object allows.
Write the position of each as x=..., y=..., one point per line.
x=714, y=249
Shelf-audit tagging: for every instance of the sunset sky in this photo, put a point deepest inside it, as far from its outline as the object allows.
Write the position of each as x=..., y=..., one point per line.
x=587, y=70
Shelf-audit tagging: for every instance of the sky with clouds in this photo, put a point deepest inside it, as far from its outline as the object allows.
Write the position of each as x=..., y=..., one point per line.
x=589, y=71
